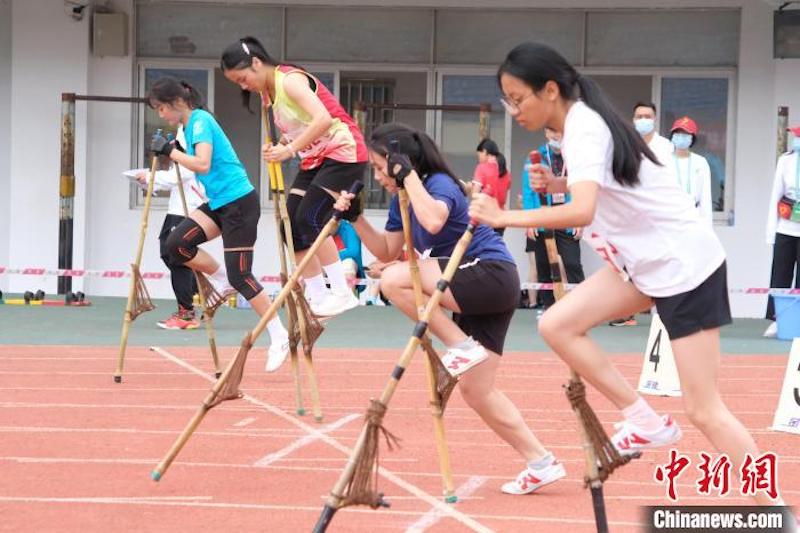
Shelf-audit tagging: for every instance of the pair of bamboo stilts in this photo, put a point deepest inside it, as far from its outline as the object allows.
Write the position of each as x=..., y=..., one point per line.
x=139, y=299
x=301, y=323
x=227, y=386
x=357, y=485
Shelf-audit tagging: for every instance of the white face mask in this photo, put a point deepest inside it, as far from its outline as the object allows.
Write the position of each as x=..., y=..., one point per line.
x=644, y=125
x=796, y=144
x=682, y=141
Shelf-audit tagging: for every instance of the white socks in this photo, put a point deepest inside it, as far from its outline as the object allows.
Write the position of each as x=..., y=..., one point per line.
x=642, y=415
x=316, y=288
x=335, y=273
x=276, y=330
x=543, y=462
x=220, y=280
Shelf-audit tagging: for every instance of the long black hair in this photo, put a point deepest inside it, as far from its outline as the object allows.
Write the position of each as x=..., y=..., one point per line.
x=536, y=64
x=420, y=149
x=168, y=90
x=240, y=54
x=490, y=147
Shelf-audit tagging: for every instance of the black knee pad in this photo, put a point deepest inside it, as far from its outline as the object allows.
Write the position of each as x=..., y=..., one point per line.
x=240, y=277
x=311, y=216
x=182, y=243
x=292, y=205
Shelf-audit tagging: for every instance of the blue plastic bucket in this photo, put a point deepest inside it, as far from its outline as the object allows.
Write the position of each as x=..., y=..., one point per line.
x=787, y=315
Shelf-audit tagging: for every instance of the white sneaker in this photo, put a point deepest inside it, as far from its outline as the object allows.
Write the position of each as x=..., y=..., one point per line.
x=630, y=439
x=530, y=480
x=772, y=330
x=335, y=303
x=459, y=360
x=276, y=354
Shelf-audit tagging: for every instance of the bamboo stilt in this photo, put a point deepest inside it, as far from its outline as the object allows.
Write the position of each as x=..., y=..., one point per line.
x=130, y=312
x=437, y=409
x=300, y=318
x=235, y=366
x=208, y=318
x=351, y=487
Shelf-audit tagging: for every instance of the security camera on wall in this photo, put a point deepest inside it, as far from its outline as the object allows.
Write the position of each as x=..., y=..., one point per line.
x=75, y=10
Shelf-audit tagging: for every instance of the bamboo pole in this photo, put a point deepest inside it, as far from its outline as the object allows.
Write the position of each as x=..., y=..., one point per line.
x=126, y=322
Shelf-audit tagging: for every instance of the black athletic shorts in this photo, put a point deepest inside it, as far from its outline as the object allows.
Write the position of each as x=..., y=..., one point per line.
x=487, y=292
x=238, y=220
x=332, y=175
x=704, y=307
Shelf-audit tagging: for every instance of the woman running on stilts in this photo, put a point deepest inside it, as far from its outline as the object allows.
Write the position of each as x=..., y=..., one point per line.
x=484, y=291
x=233, y=206
x=315, y=128
x=658, y=251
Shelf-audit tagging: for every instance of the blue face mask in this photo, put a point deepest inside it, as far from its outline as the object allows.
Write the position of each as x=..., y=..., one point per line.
x=644, y=125
x=796, y=144
x=554, y=144
x=682, y=141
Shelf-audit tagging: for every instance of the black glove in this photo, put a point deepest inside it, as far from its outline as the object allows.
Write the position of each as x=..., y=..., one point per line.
x=398, y=166
x=171, y=138
x=159, y=145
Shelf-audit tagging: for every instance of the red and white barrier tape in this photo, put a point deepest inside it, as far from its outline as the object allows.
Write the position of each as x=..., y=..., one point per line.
x=115, y=274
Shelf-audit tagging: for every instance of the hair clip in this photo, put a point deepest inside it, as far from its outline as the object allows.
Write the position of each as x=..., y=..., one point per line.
x=245, y=48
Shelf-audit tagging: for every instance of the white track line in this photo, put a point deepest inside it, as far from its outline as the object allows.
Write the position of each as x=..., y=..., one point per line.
x=391, y=476
x=304, y=441
x=306, y=508
x=434, y=515
x=637, y=485
x=244, y=422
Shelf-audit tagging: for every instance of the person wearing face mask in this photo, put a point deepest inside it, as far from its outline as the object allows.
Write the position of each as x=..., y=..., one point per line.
x=783, y=225
x=694, y=174
x=567, y=240
x=644, y=120
x=657, y=251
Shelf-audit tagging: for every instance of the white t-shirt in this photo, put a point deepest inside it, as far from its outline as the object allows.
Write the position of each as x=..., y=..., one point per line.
x=662, y=148
x=651, y=230
x=167, y=180
x=786, y=183
x=694, y=177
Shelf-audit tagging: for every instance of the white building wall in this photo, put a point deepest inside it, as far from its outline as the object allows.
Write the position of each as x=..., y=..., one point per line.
x=50, y=55
x=5, y=132
x=107, y=230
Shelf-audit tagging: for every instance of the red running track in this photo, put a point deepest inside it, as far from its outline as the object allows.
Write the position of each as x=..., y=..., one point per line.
x=77, y=449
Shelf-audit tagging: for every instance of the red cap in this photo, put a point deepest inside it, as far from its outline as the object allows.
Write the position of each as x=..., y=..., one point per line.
x=686, y=124
x=795, y=131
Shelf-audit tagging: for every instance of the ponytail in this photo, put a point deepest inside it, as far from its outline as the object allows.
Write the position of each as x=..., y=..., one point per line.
x=491, y=148
x=536, y=64
x=417, y=145
x=168, y=90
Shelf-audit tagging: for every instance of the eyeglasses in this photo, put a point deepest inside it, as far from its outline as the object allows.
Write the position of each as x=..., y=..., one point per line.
x=512, y=107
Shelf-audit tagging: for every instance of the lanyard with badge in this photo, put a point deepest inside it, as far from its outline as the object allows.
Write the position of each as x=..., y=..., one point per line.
x=789, y=208
x=559, y=197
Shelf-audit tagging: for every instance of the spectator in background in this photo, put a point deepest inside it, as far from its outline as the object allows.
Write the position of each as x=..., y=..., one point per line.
x=644, y=120
x=529, y=298
x=183, y=281
x=492, y=173
x=783, y=225
x=694, y=174
x=567, y=240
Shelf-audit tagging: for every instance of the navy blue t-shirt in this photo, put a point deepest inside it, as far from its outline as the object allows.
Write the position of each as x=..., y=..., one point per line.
x=486, y=244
